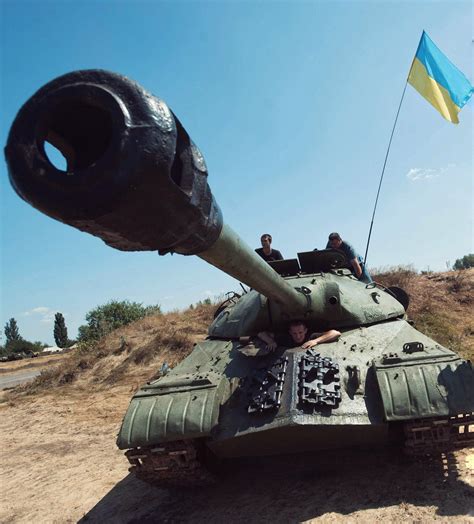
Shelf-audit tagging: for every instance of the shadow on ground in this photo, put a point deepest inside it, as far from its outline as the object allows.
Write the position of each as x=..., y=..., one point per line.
x=297, y=488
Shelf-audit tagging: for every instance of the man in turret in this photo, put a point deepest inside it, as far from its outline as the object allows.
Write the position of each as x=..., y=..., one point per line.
x=266, y=252
x=298, y=336
x=356, y=261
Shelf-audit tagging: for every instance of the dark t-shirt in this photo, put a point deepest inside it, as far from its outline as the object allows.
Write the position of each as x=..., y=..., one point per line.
x=274, y=254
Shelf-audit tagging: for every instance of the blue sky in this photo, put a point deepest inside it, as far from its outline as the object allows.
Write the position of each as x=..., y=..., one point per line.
x=291, y=103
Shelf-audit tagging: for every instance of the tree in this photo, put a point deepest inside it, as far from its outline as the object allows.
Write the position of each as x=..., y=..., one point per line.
x=60, y=331
x=12, y=332
x=465, y=262
x=104, y=319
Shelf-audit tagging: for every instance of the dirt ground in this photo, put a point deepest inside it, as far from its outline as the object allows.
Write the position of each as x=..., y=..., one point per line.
x=59, y=463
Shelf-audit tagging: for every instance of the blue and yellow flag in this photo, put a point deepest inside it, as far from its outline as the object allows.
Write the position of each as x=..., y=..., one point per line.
x=438, y=80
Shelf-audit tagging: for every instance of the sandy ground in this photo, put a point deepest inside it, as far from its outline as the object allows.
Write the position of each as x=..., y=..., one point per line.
x=59, y=463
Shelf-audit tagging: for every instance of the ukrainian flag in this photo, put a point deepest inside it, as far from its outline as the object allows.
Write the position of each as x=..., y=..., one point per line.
x=438, y=80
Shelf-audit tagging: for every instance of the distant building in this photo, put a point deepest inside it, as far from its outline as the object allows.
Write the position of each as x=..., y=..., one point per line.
x=52, y=349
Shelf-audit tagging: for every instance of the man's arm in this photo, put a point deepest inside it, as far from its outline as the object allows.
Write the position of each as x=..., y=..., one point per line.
x=327, y=336
x=267, y=337
x=357, y=269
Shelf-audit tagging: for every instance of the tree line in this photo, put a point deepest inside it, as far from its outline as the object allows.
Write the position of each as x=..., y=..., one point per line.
x=466, y=262
x=99, y=322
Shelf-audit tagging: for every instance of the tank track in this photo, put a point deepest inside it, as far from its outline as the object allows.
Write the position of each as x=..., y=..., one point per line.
x=181, y=463
x=171, y=464
x=429, y=436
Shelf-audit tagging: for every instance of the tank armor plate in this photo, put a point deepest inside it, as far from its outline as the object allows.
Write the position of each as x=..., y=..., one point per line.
x=417, y=387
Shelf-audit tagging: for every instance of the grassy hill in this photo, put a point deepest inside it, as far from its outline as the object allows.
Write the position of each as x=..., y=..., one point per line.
x=441, y=305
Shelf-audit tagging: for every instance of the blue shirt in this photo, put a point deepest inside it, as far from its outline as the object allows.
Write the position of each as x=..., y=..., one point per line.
x=350, y=253
x=348, y=250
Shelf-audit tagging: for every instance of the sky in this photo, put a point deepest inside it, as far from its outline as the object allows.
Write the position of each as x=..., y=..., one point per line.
x=292, y=105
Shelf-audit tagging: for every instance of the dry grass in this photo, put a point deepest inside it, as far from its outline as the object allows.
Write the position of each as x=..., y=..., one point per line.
x=441, y=304
x=400, y=276
x=128, y=355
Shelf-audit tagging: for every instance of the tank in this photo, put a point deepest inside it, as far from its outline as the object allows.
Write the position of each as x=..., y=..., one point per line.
x=135, y=179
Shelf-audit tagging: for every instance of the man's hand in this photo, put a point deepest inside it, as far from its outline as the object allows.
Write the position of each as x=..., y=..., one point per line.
x=272, y=346
x=267, y=337
x=309, y=344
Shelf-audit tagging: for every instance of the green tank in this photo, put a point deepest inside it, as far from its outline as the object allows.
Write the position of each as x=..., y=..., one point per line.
x=135, y=179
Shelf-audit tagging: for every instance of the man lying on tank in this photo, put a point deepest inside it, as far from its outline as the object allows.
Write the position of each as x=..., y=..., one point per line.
x=266, y=251
x=298, y=336
x=356, y=261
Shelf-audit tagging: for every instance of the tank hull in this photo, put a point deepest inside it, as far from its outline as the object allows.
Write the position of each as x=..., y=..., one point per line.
x=380, y=389
x=292, y=437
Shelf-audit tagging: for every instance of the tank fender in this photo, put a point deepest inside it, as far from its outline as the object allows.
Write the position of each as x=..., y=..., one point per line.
x=173, y=408
x=417, y=386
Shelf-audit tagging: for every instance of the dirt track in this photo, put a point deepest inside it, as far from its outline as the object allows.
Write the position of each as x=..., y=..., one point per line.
x=21, y=371
x=60, y=464
x=13, y=379
x=41, y=361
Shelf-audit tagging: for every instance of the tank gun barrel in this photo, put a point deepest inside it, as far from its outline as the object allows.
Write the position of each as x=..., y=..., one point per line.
x=134, y=177
x=233, y=256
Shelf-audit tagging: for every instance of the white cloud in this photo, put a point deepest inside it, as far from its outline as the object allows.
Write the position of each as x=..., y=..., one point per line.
x=425, y=173
x=40, y=309
x=44, y=314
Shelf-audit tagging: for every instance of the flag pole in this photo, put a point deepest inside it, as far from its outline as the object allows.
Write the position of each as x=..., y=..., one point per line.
x=383, y=171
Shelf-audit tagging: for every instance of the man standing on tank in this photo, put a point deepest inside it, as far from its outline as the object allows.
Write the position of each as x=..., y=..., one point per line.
x=266, y=252
x=356, y=261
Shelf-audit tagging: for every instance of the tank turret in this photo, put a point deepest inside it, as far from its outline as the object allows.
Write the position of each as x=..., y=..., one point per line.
x=135, y=179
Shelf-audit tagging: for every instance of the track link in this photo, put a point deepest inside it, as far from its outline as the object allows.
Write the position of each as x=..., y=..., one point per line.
x=171, y=464
x=428, y=436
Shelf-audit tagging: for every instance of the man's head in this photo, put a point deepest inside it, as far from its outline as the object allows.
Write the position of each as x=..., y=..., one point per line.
x=266, y=240
x=335, y=240
x=298, y=331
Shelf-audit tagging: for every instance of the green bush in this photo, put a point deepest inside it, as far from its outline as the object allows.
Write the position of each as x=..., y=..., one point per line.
x=104, y=319
x=465, y=262
x=19, y=346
